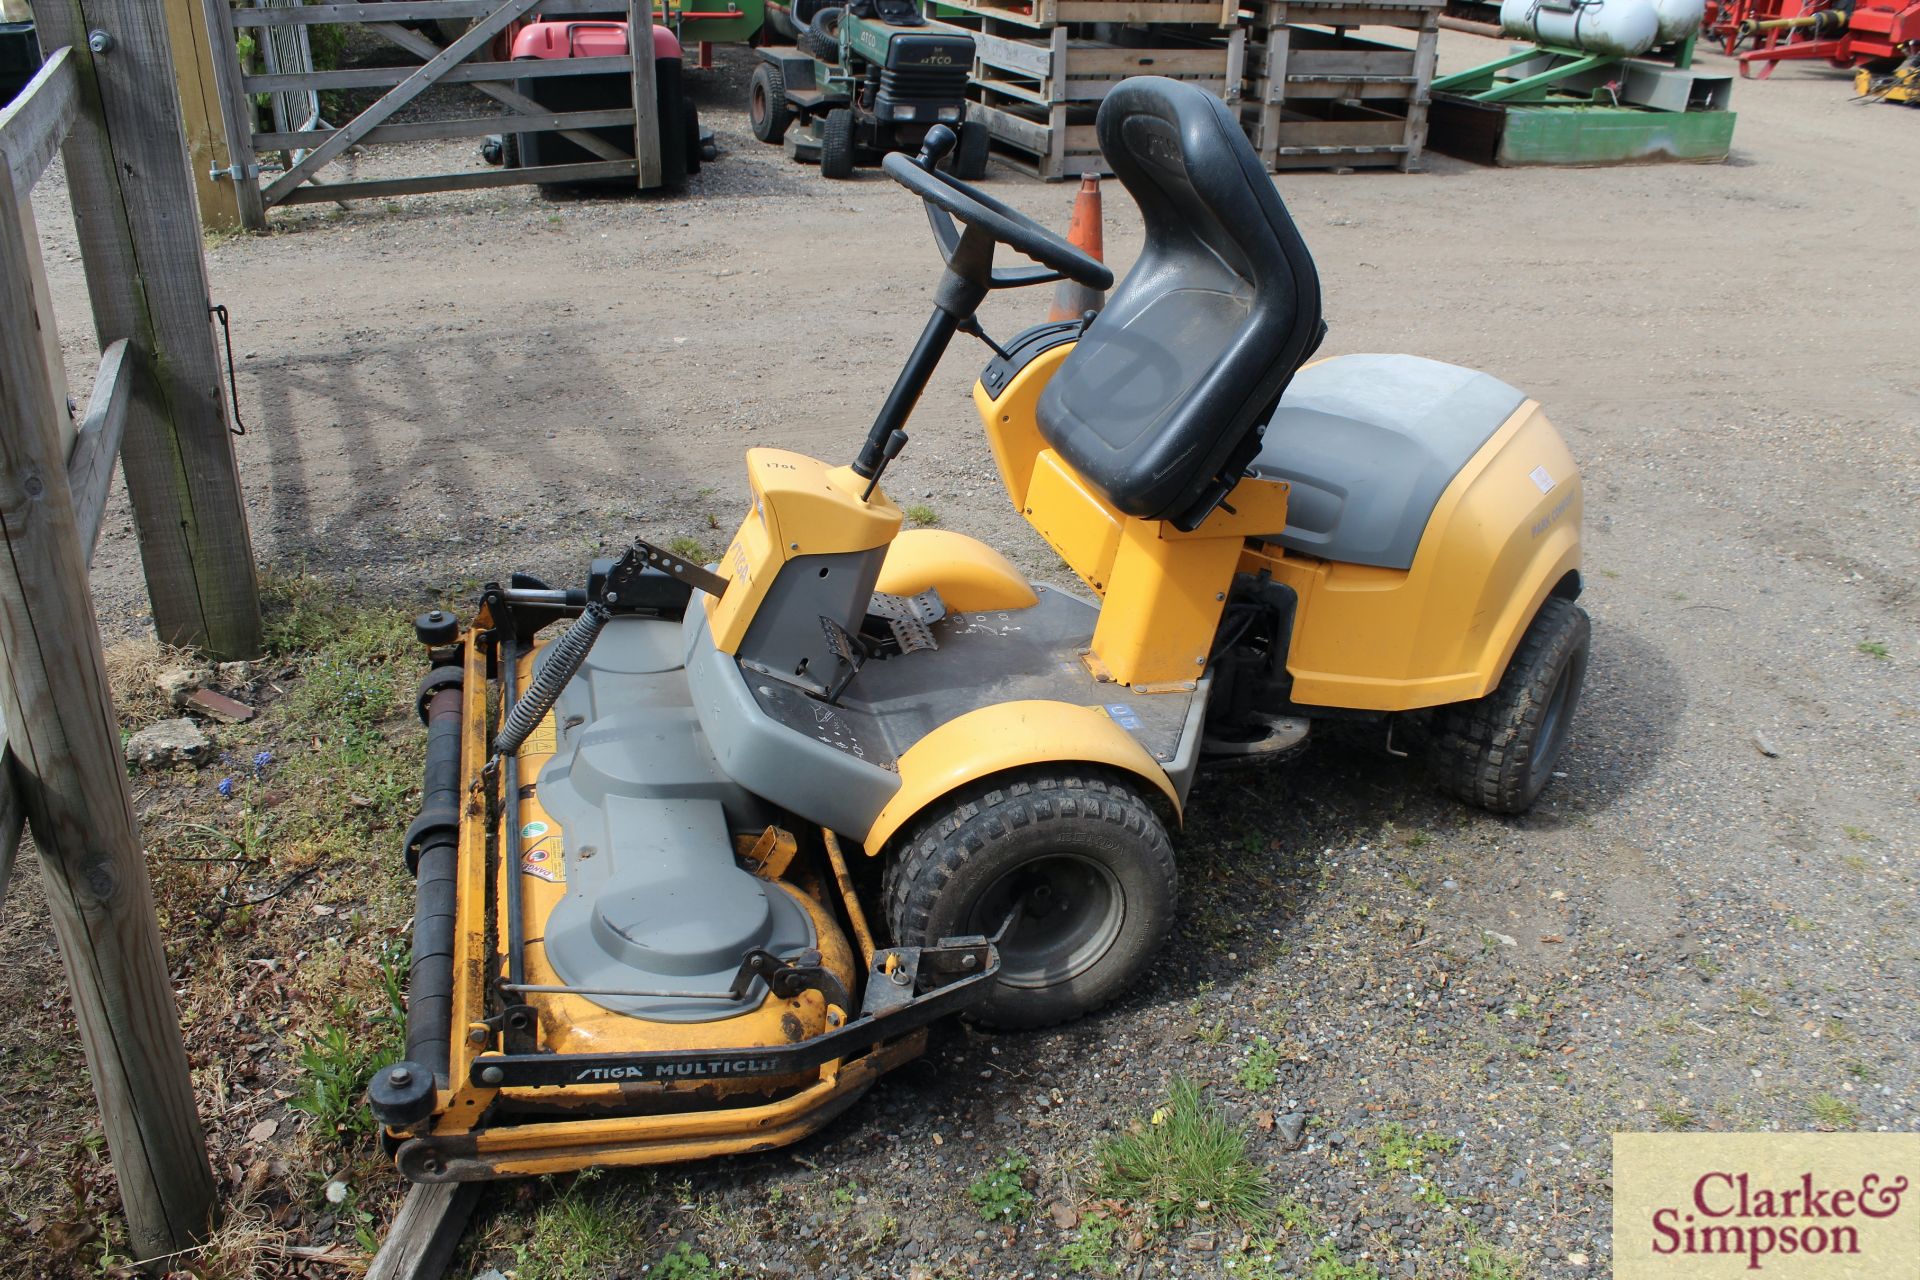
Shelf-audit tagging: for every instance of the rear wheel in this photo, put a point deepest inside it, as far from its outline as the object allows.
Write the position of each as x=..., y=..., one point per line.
x=1076, y=867
x=970, y=157
x=836, y=144
x=768, y=112
x=1499, y=751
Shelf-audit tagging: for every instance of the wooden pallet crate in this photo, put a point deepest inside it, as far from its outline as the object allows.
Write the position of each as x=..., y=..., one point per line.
x=1317, y=96
x=1054, y=142
x=1065, y=64
x=1339, y=135
x=1050, y=13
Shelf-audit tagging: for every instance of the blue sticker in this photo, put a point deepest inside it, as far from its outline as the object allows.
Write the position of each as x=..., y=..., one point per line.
x=1123, y=715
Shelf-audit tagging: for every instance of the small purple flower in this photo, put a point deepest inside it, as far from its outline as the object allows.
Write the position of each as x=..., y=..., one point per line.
x=261, y=761
x=226, y=788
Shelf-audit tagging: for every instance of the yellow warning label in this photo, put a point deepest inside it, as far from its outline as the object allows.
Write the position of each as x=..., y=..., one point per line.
x=542, y=740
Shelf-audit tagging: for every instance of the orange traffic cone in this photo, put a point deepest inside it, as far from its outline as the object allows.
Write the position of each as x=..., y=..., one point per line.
x=1072, y=300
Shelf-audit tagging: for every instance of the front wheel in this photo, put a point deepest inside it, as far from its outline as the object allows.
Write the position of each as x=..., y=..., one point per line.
x=1075, y=867
x=836, y=144
x=1498, y=751
x=970, y=157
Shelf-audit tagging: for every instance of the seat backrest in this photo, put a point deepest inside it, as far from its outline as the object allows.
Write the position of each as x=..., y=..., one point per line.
x=1161, y=403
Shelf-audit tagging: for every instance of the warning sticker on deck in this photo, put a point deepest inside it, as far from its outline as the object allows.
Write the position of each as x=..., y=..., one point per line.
x=542, y=740
x=539, y=858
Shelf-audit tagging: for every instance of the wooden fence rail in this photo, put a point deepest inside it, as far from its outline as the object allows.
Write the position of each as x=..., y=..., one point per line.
x=463, y=61
x=106, y=96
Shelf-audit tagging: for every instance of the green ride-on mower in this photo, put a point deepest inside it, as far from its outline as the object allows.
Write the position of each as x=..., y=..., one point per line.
x=863, y=81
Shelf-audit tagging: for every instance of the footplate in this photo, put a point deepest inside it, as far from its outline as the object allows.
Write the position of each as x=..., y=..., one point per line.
x=957, y=974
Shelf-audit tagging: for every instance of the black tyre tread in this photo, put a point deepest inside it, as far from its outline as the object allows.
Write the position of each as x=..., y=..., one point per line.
x=779, y=110
x=1481, y=750
x=836, y=144
x=970, y=157
x=934, y=849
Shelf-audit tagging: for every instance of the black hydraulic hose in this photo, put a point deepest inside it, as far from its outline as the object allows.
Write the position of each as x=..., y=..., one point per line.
x=430, y=983
x=559, y=666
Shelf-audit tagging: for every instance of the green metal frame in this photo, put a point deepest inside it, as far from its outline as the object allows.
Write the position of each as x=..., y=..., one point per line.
x=1482, y=83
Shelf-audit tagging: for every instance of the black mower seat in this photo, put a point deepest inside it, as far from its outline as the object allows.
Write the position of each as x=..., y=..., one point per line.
x=1160, y=405
x=1367, y=444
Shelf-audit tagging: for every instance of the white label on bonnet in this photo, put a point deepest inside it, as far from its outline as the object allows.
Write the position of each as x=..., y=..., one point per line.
x=1541, y=478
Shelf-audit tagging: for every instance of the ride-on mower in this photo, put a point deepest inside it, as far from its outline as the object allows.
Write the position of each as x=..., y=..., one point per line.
x=864, y=81
x=639, y=938
x=683, y=142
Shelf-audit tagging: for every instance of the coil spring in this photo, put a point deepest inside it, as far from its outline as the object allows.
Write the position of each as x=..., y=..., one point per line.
x=561, y=664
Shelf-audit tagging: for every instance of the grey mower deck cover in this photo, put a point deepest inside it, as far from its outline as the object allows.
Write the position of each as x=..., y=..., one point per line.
x=655, y=900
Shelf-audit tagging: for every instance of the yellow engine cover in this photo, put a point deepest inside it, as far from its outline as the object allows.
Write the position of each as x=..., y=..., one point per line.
x=1502, y=537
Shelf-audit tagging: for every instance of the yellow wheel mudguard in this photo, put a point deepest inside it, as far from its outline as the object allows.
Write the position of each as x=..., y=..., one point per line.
x=970, y=575
x=1007, y=736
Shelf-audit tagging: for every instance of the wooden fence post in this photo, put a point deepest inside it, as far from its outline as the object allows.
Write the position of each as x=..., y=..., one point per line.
x=146, y=273
x=236, y=114
x=72, y=784
x=646, y=110
x=201, y=115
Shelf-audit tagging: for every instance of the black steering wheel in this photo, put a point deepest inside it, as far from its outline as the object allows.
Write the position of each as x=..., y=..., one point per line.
x=946, y=195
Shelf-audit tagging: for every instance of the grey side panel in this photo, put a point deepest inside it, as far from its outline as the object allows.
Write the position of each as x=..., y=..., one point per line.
x=1186, y=757
x=822, y=781
x=786, y=639
x=1368, y=443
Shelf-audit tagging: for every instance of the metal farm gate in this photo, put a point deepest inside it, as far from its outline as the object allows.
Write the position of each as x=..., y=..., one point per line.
x=309, y=143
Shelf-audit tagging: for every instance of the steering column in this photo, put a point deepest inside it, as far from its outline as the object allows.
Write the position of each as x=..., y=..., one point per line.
x=970, y=275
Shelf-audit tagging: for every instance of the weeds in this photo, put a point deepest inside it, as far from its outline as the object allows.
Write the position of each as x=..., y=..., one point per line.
x=1261, y=1070
x=1090, y=1251
x=1000, y=1194
x=923, y=515
x=338, y=1066
x=1673, y=1118
x=1831, y=1112
x=585, y=1234
x=683, y=1262
x=1186, y=1162
x=1396, y=1148
x=1873, y=648
x=1490, y=1262
x=689, y=549
x=1328, y=1265
x=1291, y=1215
